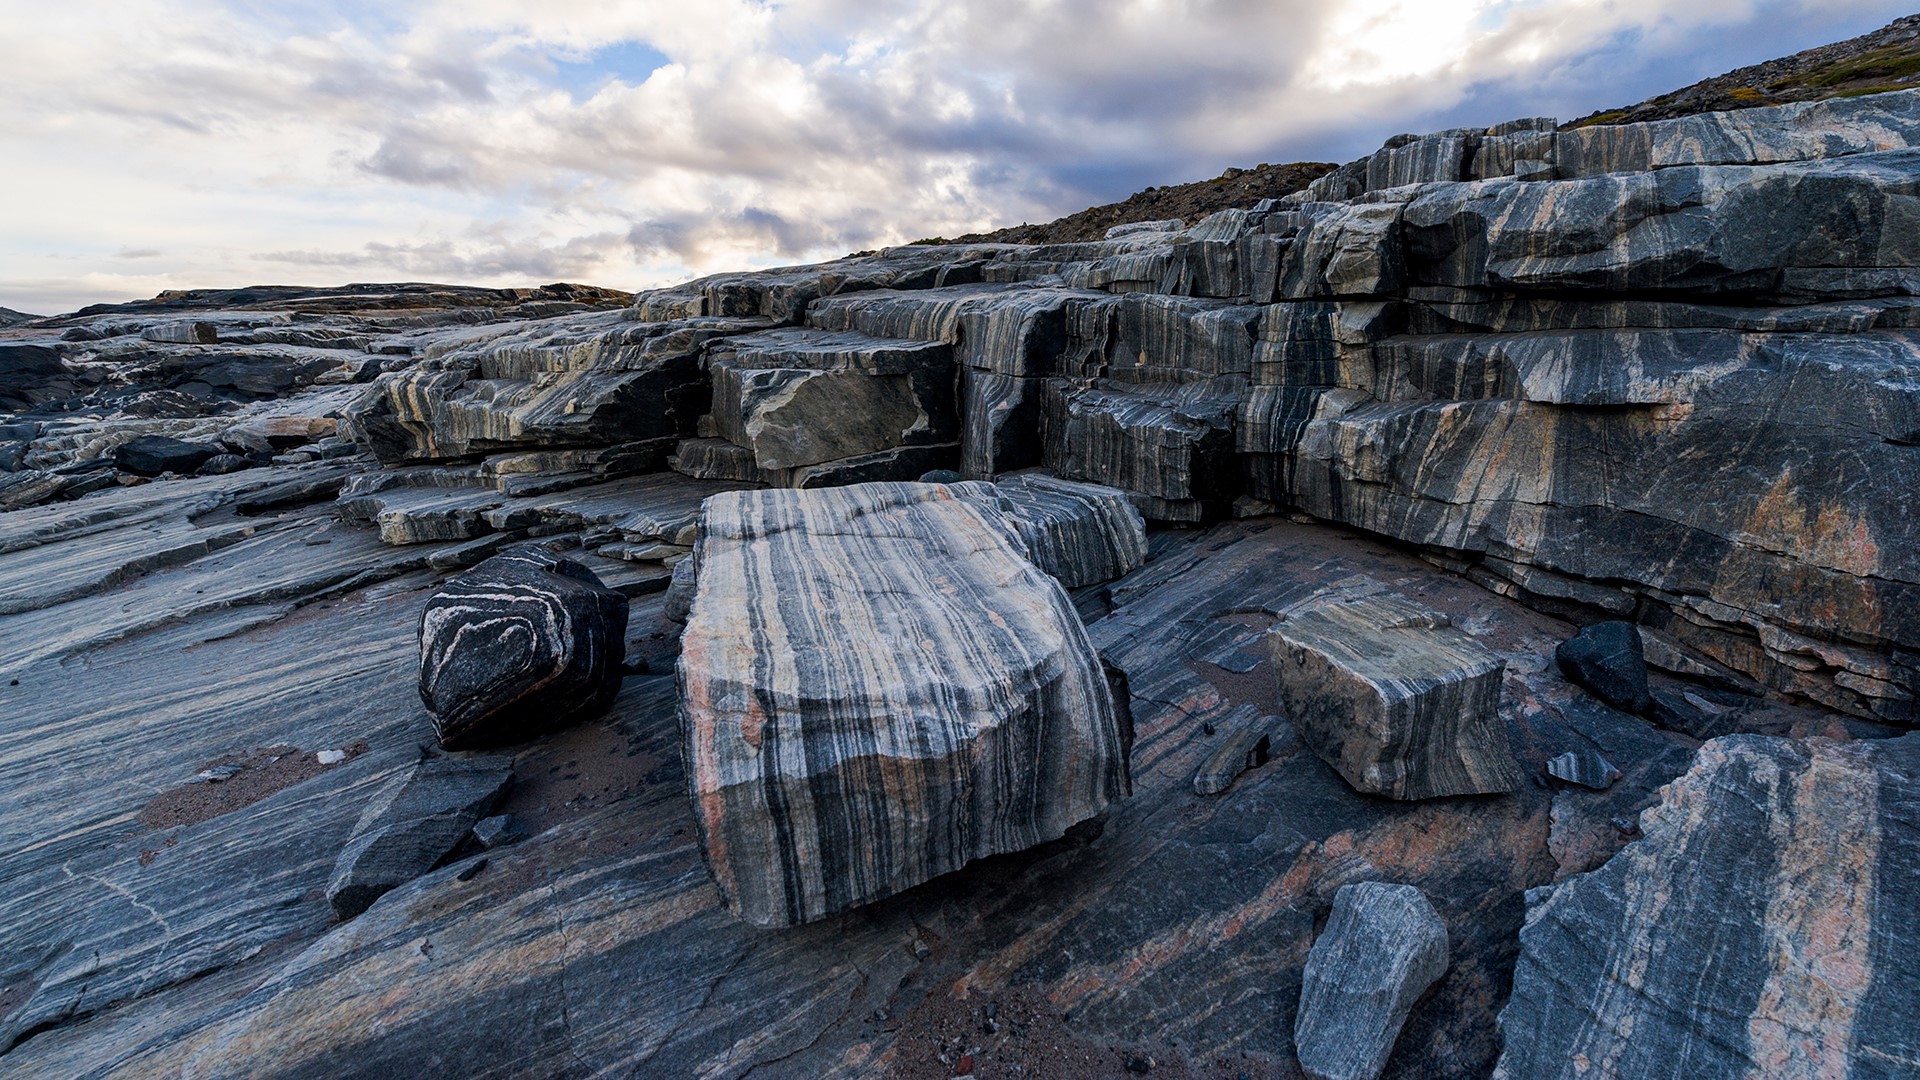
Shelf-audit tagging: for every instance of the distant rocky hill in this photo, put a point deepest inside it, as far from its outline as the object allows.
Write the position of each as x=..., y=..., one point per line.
x=1186, y=202
x=1887, y=59
x=10, y=317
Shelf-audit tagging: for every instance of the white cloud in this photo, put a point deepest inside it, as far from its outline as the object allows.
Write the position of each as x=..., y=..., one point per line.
x=228, y=143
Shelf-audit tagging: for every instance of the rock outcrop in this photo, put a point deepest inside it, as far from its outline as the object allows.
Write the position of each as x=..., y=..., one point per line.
x=877, y=689
x=1761, y=928
x=1384, y=945
x=519, y=645
x=1395, y=698
x=1526, y=379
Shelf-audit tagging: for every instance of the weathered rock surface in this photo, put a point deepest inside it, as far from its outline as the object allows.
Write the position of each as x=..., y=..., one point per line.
x=1399, y=702
x=521, y=644
x=151, y=455
x=1761, y=928
x=416, y=821
x=1383, y=946
x=878, y=689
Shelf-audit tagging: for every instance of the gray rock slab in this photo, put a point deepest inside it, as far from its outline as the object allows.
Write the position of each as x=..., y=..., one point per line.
x=1383, y=946
x=1761, y=927
x=414, y=822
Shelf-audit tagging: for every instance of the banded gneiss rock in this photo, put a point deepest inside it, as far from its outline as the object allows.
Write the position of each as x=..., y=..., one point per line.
x=1763, y=926
x=1383, y=946
x=1399, y=702
x=876, y=688
x=521, y=644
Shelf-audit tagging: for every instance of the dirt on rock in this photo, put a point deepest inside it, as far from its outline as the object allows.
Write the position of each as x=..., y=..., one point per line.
x=233, y=781
x=1019, y=1035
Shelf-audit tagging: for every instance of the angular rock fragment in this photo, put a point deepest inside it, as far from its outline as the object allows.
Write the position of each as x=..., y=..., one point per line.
x=521, y=644
x=1246, y=749
x=876, y=688
x=1763, y=926
x=498, y=831
x=151, y=455
x=1607, y=660
x=1397, y=701
x=1383, y=946
x=1584, y=767
x=413, y=823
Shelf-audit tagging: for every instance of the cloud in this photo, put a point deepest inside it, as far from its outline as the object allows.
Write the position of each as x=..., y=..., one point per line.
x=510, y=142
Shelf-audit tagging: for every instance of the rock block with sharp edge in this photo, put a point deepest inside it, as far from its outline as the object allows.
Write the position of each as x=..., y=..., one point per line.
x=1608, y=660
x=1399, y=702
x=878, y=687
x=1082, y=534
x=521, y=644
x=412, y=824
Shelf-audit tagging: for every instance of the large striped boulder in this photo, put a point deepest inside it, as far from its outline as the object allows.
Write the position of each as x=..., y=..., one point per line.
x=878, y=686
x=521, y=644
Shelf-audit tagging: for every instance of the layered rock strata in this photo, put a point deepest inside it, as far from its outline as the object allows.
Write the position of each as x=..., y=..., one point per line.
x=878, y=687
x=1399, y=702
x=1763, y=926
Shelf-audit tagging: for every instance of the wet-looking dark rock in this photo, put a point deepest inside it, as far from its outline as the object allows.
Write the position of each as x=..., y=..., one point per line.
x=1608, y=660
x=517, y=646
x=876, y=688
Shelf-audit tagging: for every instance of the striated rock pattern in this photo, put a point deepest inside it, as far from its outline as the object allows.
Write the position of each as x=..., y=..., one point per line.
x=1082, y=534
x=827, y=772
x=415, y=822
x=521, y=644
x=1399, y=702
x=1763, y=926
x=1384, y=945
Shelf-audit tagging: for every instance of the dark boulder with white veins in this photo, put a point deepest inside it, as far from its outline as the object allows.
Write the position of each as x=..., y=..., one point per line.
x=1763, y=926
x=877, y=687
x=411, y=824
x=1398, y=701
x=1608, y=660
x=521, y=644
x=1384, y=945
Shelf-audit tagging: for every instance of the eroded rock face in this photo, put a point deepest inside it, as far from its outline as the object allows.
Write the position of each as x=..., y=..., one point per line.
x=1384, y=945
x=1764, y=926
x=521, y=644
x=1399, y=702
x=878, y=687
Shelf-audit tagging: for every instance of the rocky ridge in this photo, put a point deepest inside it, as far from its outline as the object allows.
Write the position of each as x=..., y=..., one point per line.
x=1524, y=379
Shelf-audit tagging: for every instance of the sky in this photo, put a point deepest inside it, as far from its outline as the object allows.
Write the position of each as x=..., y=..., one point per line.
x=164, y=144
